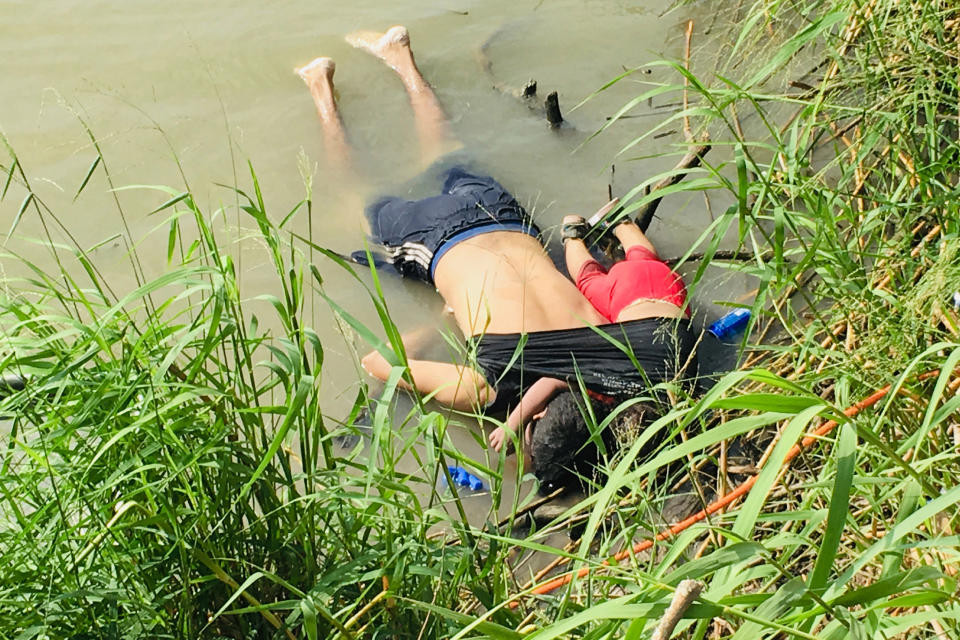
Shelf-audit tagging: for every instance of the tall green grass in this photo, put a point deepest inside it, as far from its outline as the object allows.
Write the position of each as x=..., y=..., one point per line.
x=169, y=470
x=842, y=183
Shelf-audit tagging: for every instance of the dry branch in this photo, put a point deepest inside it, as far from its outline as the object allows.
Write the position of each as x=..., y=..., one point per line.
x=691, y=161
x=687, y=591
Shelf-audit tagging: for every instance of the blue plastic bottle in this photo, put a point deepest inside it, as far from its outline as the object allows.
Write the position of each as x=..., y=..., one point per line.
x=463, y=478
x=730, y=324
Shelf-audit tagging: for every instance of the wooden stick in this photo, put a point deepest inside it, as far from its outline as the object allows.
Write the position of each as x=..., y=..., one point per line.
x=732, y=256
x=687, y=591
x=539, y=502
x=486, y=66
x=529, y=90
x=694, y=157
x=687, y=131
x=556, y=562
x=530, y=507
x=526, y=94
x=691, y=161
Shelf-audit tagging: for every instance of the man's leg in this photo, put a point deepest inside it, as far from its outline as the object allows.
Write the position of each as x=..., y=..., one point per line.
x=393, y=47
x=319, y=78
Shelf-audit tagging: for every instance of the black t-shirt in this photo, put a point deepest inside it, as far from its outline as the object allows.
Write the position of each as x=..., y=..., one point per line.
x=620, y=360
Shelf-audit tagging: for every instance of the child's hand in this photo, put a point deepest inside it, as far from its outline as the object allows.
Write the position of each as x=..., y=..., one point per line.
x=498, y=436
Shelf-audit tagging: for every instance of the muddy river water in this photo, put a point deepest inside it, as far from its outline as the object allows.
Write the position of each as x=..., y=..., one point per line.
x=211, y=84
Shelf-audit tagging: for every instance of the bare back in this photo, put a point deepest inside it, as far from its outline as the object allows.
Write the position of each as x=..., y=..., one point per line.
x=503, y=282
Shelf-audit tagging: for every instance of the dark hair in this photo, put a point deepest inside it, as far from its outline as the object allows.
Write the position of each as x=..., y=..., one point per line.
x=564, y=451
x=561, y=447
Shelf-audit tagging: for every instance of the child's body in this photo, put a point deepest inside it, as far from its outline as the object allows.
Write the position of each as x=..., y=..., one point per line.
x=640, y=286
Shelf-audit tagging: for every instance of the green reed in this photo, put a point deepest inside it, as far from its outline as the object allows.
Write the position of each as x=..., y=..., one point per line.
x=841, y=183
x=168, y=471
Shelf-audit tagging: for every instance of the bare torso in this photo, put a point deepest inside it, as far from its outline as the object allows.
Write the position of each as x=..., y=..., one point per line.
x=504, y=282
x=640, y=309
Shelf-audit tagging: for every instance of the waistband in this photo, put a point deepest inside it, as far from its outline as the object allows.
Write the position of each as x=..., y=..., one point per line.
x=488, y=227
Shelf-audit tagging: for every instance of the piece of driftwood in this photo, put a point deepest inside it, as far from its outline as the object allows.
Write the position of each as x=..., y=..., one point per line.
x=526, y=94
x=664, y=134
x=691, y=161
x=483, y=59
x=727, y=256
x=552, y=108
x=539, y=502
x=529, y=90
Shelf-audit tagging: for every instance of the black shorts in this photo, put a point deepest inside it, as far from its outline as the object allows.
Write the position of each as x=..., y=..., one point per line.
x=415, y=233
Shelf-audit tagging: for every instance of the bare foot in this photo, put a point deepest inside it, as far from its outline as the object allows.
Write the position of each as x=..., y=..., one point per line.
x=320, y=69
x=393, y=47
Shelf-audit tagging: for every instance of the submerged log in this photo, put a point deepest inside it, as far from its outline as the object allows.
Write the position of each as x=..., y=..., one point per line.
x=552, y=107
x=526, y=94
x=529, y=90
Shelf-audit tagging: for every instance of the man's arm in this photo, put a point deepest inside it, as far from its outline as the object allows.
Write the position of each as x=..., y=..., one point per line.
x=461, y=387
x=534, y=401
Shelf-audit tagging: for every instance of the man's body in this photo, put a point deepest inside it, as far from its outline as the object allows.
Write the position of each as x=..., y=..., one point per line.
x=495, y=275
x=506, y=283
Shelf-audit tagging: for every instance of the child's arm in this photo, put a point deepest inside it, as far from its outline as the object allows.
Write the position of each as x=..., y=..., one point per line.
x=533, y=402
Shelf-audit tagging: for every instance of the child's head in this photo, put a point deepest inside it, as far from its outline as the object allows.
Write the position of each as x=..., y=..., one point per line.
x=560, y=445
x=563, y=451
